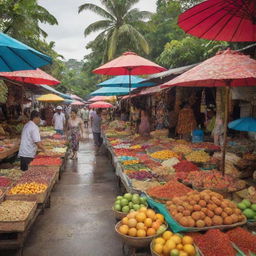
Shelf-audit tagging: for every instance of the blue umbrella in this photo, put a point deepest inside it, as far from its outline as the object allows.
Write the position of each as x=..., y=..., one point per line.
x=246, y=124
x=15, y=56
x=123, y=81
x=110, y=91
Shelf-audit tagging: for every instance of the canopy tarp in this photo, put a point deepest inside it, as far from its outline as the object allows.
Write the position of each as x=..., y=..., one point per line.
x=63, y=95
x=111, y=91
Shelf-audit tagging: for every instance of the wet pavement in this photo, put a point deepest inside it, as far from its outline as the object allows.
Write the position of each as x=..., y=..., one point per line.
x=80, y=220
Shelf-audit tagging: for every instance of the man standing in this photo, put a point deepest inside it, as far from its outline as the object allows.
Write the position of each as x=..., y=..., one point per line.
x=96, y=129
x=30, y=141
x=59, y=121
x=85, y=116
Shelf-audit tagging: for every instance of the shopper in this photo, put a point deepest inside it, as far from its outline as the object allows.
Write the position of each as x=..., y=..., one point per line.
x=96, y=129
x=75, y=131
x=186, y=121
x=30, y=141
x=59, y=120
x=144, y=127
x=173, y=119
x=85, y=116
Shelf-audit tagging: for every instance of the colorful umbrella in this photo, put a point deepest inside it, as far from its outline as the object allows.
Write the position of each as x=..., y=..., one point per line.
x=246, y=124
x=75, y=97
x=103, y=98
x=15, y=55
x=110, y=91
x=50, y=98
x=123, y=81
x=226, y=69
x=77, y=103
x=221, y=20
x=101, y=104
x=37, y=76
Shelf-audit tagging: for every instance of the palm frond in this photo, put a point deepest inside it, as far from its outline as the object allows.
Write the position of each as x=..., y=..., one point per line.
x=110, y=6
x=112, y=45
x=44, y=16
x=135, y=15
x=96, y=9
x=96, y=26
x=129, y=4
x=137, y=38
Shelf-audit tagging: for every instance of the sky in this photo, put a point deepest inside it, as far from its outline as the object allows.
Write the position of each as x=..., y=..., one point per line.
x=68, y=35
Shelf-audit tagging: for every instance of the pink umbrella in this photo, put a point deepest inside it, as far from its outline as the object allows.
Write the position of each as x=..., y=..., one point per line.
x=102, y=98
x=101, y=104
x=77, y=103
x=37, y=76
x=75, y=97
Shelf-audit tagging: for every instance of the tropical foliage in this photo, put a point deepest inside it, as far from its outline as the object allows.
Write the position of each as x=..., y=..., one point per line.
x=118, y=26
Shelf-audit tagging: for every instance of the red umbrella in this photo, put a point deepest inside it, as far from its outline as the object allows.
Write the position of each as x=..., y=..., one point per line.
x=102, y=98
x=101, y=104
x=221, y=20
x=31, y=77
x=226, y=69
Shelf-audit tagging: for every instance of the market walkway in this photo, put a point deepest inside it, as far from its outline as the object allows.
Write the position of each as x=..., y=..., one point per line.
x=80, y=221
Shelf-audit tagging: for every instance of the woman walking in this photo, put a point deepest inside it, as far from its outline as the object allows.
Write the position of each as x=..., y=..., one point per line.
x=75, y=130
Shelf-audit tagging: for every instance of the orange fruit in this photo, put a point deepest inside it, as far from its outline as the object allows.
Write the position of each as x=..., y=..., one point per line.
x=143, y=209
x=141, y=233
x=132, y=232
x=155, y=225
x=179, y=246
x=170, y=244
x=131, y=215
x=158, y=248
x=150, y=214
x=132, y=223
x=167, y=235
x=151, y=232
x=182, y=253
x=125, y=221
x=166, y=250
x=148, y=222
x=176, y=239
x=189, y=249
x=159, y=240
x=123, y=229
x=187, y=240
x=141, y=216
x=159, y=217
x=140, y=225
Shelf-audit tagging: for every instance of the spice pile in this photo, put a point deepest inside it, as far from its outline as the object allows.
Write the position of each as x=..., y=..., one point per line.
x=204, y=209
x=169, y=190
x=28, y=188
x=46, y=161
x=214, y=243
x=164, y=154
x=5, y=182
x=198, y=157
x=13, y=174
x=15, y=210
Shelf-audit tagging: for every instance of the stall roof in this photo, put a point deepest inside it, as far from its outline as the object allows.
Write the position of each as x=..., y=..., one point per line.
x=165, y=76
x=63, y=95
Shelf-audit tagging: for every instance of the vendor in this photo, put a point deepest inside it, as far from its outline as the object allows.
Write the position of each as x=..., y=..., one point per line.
x=210, y=123
x=30, y=141
x=186, y=121
x=59, y=120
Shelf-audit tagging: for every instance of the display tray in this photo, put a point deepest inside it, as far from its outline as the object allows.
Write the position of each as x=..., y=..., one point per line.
x=39, y=198
x=17, y=226
x=136, y=242
x=119, y=215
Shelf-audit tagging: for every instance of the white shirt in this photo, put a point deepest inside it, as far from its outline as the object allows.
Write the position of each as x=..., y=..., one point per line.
x=59, y=120
x=96, y=123
x=29, y=137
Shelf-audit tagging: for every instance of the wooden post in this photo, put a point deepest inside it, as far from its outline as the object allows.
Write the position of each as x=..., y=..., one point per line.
x=225, y=128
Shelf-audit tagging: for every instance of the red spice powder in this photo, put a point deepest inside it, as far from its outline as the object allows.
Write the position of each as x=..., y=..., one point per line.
x=185, y=166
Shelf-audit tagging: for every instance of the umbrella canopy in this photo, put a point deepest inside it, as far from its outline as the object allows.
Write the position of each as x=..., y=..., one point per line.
x=221, y=20
x=50, y=89
x=50, y=98
x=67, y=101
x=228, y=66
x=129, y=64
x=103, y=98
x=37, y=76
x=246, y=124
x=101, y=104
x=226, y=69
x=75, y=97
x=123, y=81
x=77, y=103
x=15, y=55
x=110, y=91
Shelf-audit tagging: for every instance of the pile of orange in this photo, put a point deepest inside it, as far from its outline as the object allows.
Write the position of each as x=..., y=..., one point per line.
x=145, y=222
x=173, y=245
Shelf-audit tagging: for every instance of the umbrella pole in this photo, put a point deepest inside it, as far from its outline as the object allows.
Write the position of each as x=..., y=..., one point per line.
x=130, y=82
x=225, y=129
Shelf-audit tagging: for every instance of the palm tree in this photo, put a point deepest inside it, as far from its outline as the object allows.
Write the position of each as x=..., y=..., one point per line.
x=120, y=20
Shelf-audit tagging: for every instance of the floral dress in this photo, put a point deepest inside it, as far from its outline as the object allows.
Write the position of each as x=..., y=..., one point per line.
x=74, y=129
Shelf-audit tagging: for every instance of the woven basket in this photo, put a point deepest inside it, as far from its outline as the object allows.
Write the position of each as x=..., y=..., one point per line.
x=136, y=242
x=119, y=215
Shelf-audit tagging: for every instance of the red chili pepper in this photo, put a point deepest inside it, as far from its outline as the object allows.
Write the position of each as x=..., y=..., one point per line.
x=185, y=166
x=5, y=182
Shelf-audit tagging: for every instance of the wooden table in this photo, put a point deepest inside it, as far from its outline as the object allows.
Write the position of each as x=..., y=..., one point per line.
x=9, y=152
